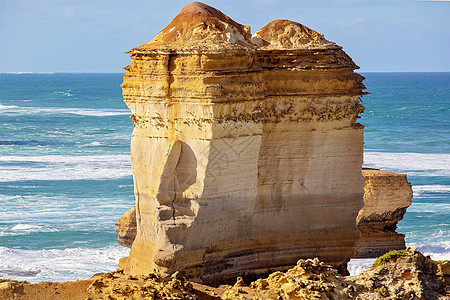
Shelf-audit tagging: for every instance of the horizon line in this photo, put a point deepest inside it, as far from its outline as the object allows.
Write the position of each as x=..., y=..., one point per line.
x=100, y=72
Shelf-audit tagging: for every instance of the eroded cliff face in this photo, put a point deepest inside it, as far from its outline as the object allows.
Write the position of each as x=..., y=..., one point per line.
x=246, y=153
x=387, y=195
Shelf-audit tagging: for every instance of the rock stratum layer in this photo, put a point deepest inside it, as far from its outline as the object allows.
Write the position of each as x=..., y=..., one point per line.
x=387, y=195
x=246, y=151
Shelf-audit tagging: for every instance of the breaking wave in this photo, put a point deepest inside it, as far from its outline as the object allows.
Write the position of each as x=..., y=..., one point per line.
x=58, y=265
x=418, y=164
x=64, y=167
x=18, y=110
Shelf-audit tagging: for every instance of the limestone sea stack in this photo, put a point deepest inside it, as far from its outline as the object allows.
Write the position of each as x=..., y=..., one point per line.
x=246, y=152
x=387, y=195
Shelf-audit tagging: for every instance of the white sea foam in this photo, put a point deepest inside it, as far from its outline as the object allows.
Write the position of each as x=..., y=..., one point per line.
x=79, y=111
x=425, y=209
x=25, y=110
x=357, y=265
x=21, y=73
x=66, y=93
x=418, y=164
x=437, y=251
x=65, y=167
x=8, y=107
x=22, y=229
x=421, y=189
x=95, y=144
x=25, y=227
x=67, y=159
x=58, y=265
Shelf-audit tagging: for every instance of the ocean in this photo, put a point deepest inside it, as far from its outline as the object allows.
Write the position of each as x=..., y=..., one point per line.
x=65, y=175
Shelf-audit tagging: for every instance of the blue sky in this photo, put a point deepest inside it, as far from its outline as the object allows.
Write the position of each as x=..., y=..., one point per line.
x=92, y=35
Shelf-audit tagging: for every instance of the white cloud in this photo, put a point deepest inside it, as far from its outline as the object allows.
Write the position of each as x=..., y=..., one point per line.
x=354, y=21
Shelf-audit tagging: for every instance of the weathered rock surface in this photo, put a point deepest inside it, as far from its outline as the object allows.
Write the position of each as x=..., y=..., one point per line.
x=412, y=276
x=114, y=285
x=246, y=153
x=387, y=195
x=126, y=228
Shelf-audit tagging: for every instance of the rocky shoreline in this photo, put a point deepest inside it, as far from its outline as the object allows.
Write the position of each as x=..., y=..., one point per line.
x=405, y=274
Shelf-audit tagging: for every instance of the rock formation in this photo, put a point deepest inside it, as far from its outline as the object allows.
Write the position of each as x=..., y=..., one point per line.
x=126, y=228
x=387, y=195
x=409, y=276
x=246, y=153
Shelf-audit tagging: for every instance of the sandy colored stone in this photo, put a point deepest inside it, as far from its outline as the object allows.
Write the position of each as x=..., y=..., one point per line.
x=244, y=158
x=103, y=286
x=74, y=290
x=286, y=34
x=126, y=228
x=386, y=198
x=412, y=276
x=387, y=195
x=409, y=277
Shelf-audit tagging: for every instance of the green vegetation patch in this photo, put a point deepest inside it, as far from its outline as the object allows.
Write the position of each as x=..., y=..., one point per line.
x=388, y=256
x=12, y=280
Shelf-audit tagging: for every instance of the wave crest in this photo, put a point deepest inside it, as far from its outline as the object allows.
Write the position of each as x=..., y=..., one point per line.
x=65, y=167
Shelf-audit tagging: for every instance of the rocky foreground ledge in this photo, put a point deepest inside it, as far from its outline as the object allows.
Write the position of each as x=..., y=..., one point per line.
x=405, y=274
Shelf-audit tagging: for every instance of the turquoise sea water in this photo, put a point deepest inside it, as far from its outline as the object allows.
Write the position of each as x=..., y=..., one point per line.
x=408, y=131
x=65, y=175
